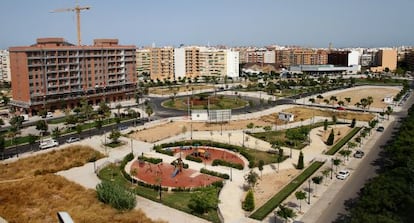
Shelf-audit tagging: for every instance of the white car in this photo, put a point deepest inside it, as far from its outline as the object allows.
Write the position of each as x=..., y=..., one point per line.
x=48, y=144
x=72, y=139
x=343, y=174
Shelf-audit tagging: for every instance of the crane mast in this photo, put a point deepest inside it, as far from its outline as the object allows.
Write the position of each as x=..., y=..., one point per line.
x=77, y=10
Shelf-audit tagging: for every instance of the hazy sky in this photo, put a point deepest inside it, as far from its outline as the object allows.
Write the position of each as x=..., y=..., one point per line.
x=310, y=23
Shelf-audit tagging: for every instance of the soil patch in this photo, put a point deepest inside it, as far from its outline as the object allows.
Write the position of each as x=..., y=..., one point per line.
x=208, y=154
x=271, y=184
x=170, y=176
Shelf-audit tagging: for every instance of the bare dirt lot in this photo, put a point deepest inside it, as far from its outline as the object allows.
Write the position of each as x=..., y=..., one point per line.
x=271, y=184
x=301, y=113
x=356, y=94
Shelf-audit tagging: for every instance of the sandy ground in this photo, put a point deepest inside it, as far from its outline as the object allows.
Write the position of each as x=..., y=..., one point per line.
x=377, y=93
x=271, y=184
x=340, y=131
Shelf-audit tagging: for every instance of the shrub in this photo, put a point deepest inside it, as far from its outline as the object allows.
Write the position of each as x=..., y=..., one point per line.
x=331, y=138
x=150, y=160
x=218, y=162
x=250, y=125
x=353, y=123
x=115, y=195
x=248, y=204
x=124, y=162
x=164, y=151
x=300, y=161
x=193, y=158
x=214, y=173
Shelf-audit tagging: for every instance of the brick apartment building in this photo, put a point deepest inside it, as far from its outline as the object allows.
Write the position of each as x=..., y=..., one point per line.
x=54, y=74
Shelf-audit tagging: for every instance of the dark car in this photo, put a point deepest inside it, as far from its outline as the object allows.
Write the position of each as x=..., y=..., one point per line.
x=359, y=154
x=380, y=129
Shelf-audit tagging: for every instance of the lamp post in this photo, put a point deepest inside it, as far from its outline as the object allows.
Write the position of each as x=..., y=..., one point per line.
x=243, y=137
x=309, y=188
x=331, y=167
x=132, y=148
x=231, y=174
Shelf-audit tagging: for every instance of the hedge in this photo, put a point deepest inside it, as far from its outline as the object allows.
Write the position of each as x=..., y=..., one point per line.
x=214, y=173
x=124, y=162
x=219, y=162
x=343, y=141
x=150, y=160
x=193, y=158
x=271, y=204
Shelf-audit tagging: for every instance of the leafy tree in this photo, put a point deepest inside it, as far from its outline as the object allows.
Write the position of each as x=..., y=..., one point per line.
x=42, y=126
x=285, y=212
x=114, y=136
x=312, y=100
x=248, y=204
x=260, y=166
x=334, y=119
x=336, y=163
x=115, y=195
x=32, y=139
x=300, y=195
x=79, y=129
x=149, y=111
x=348, y=100
x=251, y=178
x=250, y=125
x=98, y=124
x=56, y=132
x=331, y=138
x=300, y=161
x=317, y=180
x=204, y=200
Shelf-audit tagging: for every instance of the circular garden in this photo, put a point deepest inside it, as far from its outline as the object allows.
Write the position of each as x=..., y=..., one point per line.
x=205, y=101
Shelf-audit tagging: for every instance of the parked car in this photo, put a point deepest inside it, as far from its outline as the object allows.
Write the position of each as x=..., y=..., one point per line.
x=48, y=144
x=380, y=129
x=72, y=139
x=359, y=154
x=343, y=174
x=122, y=127
x=340, y=108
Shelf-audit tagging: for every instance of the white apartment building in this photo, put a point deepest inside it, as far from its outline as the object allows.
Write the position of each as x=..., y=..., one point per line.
x=5, y=66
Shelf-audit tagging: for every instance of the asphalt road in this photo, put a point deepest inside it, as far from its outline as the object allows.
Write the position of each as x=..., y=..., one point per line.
x=361, y=174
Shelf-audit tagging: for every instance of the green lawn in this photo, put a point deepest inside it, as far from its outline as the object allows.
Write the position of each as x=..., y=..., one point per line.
x=176, y=200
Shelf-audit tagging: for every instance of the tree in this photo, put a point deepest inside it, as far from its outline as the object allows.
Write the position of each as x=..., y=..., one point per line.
x=79, y=129
x=331, y=138
x=336, y=163
x=118, y=107
x=370, y=100
x=251, y=178
x=285, y=212
x=300, y=195
x=388, y=112
x=326, y=101
x=334, y=119
x=2, y=146
x=300, y=161
x=333, y=99
x=114, y=136
x=32, y=139
x=348, y=100
x=42, y=126
x=260, y=166
x=56, y=132
x=248, y=204
x=98, y=124
x=317, y=180
x=325, y=125
x=353, y=123
x=149, y=111
x=312, y=100
x=326, y=172
x=204, y=200
x=319, y=97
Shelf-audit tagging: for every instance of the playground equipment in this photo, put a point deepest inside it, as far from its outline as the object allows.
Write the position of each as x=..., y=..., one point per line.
x=178, y=167
x=201, y=153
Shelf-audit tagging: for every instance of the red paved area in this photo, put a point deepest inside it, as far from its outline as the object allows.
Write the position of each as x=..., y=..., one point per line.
x=214, y=154
x=151, y=173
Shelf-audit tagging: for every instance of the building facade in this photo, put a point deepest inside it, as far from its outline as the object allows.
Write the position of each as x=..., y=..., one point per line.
x=162, y=63
x=300, y=56
x=4, y=66
x=385, y=58
x=143, y=61
x=54, y=74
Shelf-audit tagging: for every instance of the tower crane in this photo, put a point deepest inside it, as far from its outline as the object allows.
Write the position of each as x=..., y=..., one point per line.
x=77, y=9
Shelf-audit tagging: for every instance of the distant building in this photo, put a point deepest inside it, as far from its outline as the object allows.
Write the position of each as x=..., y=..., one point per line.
x=54, y=74
x=4, y=66
x=385, y=58
x=343, y=58
x=409, y=59
x=325, y=69
x=143, y=61
x=162, y=63
x=301, y=56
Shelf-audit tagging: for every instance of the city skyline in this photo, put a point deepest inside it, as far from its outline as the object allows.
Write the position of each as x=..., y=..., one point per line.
x=232, y=23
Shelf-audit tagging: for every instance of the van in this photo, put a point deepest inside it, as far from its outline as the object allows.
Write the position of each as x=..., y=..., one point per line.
x=48, y=144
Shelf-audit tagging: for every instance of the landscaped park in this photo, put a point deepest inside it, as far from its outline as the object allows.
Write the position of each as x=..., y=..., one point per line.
x=215, y=171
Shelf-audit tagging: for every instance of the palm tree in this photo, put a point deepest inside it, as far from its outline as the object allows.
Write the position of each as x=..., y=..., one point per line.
x=348, y=100
x=317, y=180
x=326, y=101
x=336, y=163
x=149, y=111
x=370, y=100
x=333, y=99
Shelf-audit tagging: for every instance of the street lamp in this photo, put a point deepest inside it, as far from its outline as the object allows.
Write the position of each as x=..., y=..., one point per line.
x=132, y=149
x=331, y=167
x=309, y=188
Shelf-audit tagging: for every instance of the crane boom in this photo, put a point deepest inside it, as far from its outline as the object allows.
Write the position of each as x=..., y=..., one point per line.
x=78, y=10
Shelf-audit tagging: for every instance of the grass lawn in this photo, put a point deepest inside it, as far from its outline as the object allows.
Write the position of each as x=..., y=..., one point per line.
x=176, y=200
x=115, y=144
